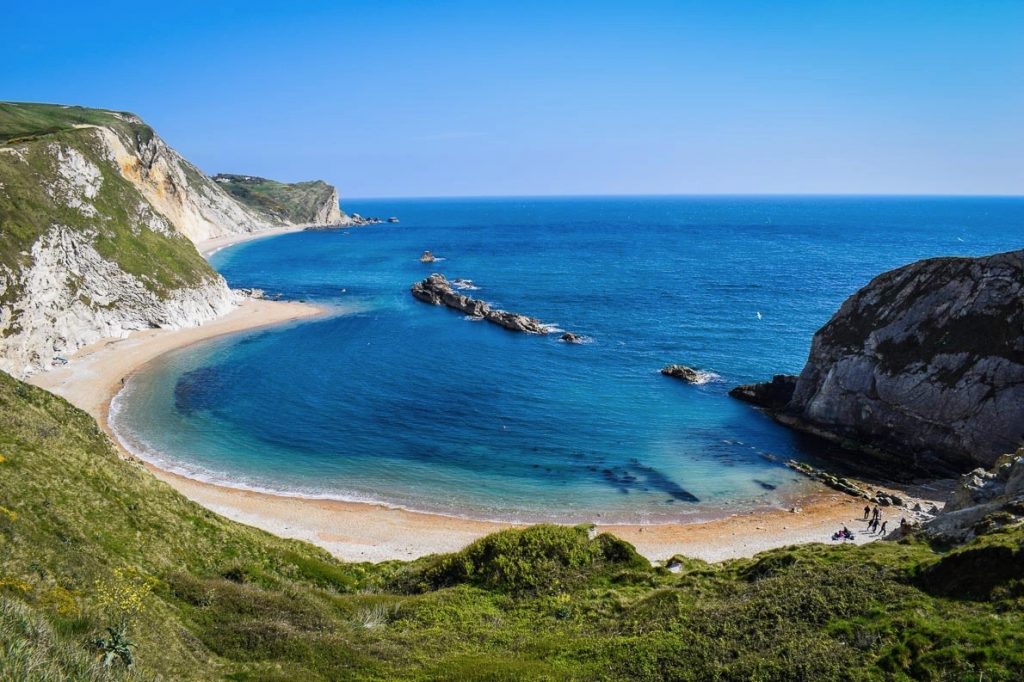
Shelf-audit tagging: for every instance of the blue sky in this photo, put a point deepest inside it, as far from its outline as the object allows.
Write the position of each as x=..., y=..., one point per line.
x=530, y=98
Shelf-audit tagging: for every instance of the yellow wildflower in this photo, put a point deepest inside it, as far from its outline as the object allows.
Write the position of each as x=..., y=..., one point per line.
x=15, y=584
x=9, y=513
x=123, y=595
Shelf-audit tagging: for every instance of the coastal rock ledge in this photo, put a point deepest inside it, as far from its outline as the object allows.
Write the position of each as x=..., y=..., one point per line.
x=436, y=290
x=923, y=368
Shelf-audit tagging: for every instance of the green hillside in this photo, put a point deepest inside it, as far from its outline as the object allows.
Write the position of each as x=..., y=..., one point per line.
x=297, y=203
x=88, y=541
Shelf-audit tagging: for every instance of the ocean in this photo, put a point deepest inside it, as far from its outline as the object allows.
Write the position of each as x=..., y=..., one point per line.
x=390, y=400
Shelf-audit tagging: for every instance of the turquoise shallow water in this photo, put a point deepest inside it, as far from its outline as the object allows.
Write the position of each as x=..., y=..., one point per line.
x=407, y=404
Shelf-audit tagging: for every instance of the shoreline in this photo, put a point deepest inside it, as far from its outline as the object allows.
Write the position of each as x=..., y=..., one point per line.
x=366, y=531
x=208, y=247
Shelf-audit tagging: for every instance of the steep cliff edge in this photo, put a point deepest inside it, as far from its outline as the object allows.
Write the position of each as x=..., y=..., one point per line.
x=96, y=218
x=300, y=203
x=922, y=368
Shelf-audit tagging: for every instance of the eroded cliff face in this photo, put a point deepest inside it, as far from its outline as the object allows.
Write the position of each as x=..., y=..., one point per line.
x=72, y=296
x=924, y=366
x=95, y=226
x=195, y=205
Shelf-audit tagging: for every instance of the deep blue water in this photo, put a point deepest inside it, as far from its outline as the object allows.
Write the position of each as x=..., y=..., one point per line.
x=401, y=402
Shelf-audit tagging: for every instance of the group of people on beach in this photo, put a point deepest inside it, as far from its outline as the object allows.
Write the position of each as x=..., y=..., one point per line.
x=875, y=524
x=876, y=519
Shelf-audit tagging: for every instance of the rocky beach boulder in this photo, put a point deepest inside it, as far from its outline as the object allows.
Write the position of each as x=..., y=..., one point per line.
x=983, y=500
x=923, y=367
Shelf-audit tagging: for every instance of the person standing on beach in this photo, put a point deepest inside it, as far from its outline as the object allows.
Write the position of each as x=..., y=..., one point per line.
x=867, y=512
x=884, y=524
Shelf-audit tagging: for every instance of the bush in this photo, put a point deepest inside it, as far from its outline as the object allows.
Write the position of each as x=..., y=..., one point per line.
x=541, y=558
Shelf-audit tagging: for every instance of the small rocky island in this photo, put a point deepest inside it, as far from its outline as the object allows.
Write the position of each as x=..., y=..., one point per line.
x=427, y=257
x=436, y=290
x=687, y=374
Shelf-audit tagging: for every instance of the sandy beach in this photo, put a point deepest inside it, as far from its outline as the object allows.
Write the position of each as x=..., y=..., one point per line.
x=208, y=247
x=368, y=532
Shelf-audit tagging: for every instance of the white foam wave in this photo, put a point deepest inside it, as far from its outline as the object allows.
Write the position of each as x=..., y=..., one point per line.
x=708, y=377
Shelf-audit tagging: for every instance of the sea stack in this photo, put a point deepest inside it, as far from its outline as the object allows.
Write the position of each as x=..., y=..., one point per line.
x=427, y=257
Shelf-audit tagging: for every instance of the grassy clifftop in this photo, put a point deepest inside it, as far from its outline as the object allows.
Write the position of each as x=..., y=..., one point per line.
x=89, y=541
x=299, y=203
x=23, y=121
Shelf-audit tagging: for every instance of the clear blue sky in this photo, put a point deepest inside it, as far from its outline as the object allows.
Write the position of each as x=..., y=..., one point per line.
x=522, y=98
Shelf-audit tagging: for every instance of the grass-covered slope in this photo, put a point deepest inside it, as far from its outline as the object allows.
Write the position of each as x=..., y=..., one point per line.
x=89, y=541
x=299, y=203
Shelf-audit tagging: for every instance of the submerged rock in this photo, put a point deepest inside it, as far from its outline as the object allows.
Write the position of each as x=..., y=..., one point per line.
x=569, y=337
x=436, y=290
x=840, y=483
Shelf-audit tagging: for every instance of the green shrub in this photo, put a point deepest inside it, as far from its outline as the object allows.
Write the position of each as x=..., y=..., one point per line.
x=541, y=558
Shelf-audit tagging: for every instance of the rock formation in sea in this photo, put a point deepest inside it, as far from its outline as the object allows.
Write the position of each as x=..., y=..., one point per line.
x=687, y=374
x=569, y=337
x=98, y=217
x=774, y=394
x=922, y=369
x=427, y=257
x=436, y=290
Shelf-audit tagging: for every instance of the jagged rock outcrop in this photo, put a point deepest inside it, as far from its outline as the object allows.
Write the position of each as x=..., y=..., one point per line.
x=982, y=501
x=923, y=368
x=96, y=218
x=774, y=394
x=313, y=203
x=437, y=291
